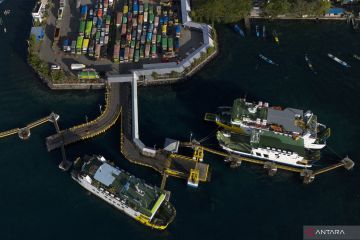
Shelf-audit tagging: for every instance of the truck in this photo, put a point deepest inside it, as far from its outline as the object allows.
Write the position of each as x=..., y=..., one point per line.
x=91, y=48
x=131, y=54
x=83, y=12
x=116, y=52
x=153, y=51
x=126, y=54
x=94, y=21
x=123, y=29
x=106, y=3
x=148, y=37
x=164, y=43
x=137, y=55
x=140, y=19
x=97, y=50
x=146, y=17
x=119, y=17
x=177, y=45
x=147, y=50
x=79, y=43
x=143, y=39
x=85, y=45
x=57, y=34
x=170, y=44
x=134, y=22
x=141, y=8
x=177, y=30
x=88, y=28
x=82, y=27
x=156, y=21
x=142, y=49
x=73, y=46
x=93, y=31
x=66, y=45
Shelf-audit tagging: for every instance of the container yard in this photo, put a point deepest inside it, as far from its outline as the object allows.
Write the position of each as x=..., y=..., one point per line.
x=125, y=31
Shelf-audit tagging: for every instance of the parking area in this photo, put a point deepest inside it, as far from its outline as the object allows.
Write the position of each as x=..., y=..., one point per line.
x=116, y=36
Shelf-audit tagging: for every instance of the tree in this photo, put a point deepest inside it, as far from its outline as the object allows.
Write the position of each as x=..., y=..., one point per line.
x=320, y=7
x=221, y=11
x=274, y=8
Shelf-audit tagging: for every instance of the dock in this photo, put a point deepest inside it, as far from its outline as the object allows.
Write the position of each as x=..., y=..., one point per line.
x=272, y=167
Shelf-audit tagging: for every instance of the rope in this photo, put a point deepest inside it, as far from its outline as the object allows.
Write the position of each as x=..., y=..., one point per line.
x=333, y=151
x=208, y=136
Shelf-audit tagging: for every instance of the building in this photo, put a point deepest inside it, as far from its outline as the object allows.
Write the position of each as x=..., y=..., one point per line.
x=39, y=11
x=335, y=12
x=38, y=32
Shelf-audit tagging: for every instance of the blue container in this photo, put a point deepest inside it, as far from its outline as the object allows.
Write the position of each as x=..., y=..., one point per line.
x=99, y=23
x=148, y=37
x=83, y=10
x=135, y=8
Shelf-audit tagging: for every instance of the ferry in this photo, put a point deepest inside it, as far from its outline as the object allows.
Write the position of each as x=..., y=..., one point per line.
x=257, y=31
x=343, y=63
x=356, y=56
x=276, y=37
x=146, y=204
x=267, y=60
x=239, y=30
x=286, y=136
x=264, y=31
x=309, y=63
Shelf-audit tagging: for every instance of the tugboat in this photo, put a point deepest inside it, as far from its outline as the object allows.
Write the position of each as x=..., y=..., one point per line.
x=268, y=60
x=239, y=30
x=343, y=63
x=257, y=31
x=264, y=31
x=276, y=37
x=309, y=64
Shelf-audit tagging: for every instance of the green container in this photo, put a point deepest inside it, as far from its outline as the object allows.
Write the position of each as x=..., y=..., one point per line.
x=79, y=43
x=158, y=39
x=82, y=27
x=164, y=43
x=170, y=44
x=137, y=55
x=88, y=28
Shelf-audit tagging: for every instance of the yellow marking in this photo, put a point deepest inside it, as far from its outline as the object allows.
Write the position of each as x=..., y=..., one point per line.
x=145, y=220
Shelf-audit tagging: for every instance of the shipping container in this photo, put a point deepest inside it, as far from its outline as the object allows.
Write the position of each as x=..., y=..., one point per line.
x=88, y=75
x=123, y=29
x=128, y=37
x=99, y=23
x=129, y=17
x=88, y=28
x=137, y=45
x=73, y=47
x=153, y=51
x=83, y=12
x=133, y=35
x=151, y=9
x=79, y=43
x=137, y=55
x=62, y=3
x=151, y=27
x=147, y=50
x=146, y=7
x=106, y=40
x=170, y=44
x=131, y=55
x=97, y=51
x=102, y=40
x=97, y=37
x=106, y=3
x=123, y=42
x=125, y=9
x=111, y=2
x=132, y=44
x=139, y=28
x=141, y=8
x=126, y=54
x=155, y=31
x=156, y=21
x=116, y=53
x=177, y=30
x=164, y=43
x=146, y=17
x=153, y=39
x=91, y=13
x=158, y=39
x=94, y=21
x=65, y=45
x=119, y=17
x=177, y=45
x=57, y=34
x=107, y=29
x=93, y=31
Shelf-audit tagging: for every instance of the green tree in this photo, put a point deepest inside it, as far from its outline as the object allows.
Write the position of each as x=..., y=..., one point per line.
x=320, y=7
x=274, y=8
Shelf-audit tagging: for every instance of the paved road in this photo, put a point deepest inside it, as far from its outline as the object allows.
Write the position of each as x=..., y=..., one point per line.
x=93, y=128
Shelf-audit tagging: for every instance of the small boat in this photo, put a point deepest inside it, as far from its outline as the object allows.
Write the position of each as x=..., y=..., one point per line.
x=264, y=31
x=239, y=30
x=356, y=56
x=257, y=31
x=309, y=63
x=276, y=37
x=267, y=60
x=343, y=63
x=77, y=66
x=5, y=30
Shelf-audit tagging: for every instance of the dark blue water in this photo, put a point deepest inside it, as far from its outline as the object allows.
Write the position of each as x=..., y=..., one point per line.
x=38, y=201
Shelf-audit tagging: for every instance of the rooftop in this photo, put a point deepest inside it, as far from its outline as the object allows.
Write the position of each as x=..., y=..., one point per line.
x=285, y=118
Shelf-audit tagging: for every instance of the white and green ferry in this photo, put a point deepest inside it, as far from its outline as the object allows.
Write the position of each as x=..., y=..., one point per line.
x=284, y=135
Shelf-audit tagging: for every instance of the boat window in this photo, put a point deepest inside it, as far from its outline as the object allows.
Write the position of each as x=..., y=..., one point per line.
x=258, y=154
x=266, y=155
